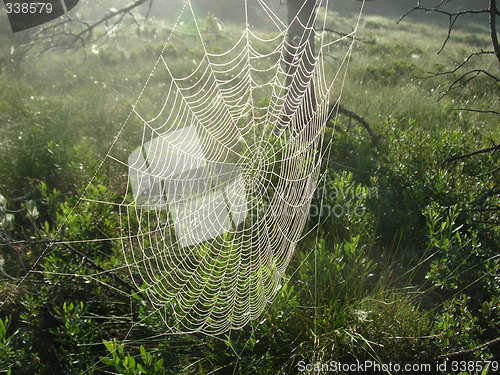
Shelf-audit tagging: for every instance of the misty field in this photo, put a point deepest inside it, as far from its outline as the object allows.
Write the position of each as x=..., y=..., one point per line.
x=403, y=267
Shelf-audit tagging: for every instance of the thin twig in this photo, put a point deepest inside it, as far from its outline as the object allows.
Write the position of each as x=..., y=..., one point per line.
x=467, y=351
x=452, y=17
x=98, y=268
x=344, y=111
x=459, y=66
x=350, y=36
x=482, y=151
x=476, y=110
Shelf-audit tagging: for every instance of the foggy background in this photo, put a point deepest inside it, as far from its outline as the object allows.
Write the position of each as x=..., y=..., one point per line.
x=230, y=10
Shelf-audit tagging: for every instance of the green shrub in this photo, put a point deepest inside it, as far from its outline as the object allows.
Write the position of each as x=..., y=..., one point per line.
x=126, y=364
x=392, y=73
x=466, y=271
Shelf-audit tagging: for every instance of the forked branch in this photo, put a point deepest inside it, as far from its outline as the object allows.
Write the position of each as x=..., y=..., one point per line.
x=62, y=34
x=466, y=73
x=452, y=16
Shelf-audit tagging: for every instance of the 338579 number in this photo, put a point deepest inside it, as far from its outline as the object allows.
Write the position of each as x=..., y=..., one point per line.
x=29, y=8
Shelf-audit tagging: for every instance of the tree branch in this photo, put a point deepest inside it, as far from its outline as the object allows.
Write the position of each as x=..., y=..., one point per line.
x=468, y=351
x=46, y=37
x=69, y=247
x=121, y=13
x=461, y=65
x=482, y=151
x=476, y=110
x=452, y=16
x=465, y=78
x=468, y=74
x=340, y=33
x=339, y=108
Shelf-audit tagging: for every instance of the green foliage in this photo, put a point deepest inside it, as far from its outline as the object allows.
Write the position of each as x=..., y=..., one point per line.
x=404, y=265
x=344, y=274
x=393, y=50
x=392, y=73
x=457, y=327
x=466, y=271
x=7, y=353
x=144, y=364
x=13, y=357
x=55, y=324
x=39, y=142
x=340, y=206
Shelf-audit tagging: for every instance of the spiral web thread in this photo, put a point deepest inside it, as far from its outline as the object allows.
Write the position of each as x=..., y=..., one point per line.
x=220, y=185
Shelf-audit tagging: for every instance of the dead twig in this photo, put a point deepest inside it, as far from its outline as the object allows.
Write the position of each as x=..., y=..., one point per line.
x=452, y=16
x=476, y=110
x=339, y=108
x=468, y=351
x=340, y=33
x=482, y=151
x=98, y=268
x=459, y=66
x=465, y=72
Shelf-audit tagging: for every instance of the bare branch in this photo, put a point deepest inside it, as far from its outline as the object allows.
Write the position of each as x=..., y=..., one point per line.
x=340, y=33
x=150, y=7
x=98, y=268
x=339, y=108
x=494, y=170
x=45, y=39
x=452, y=16
x=465, y=78
x=120, y=13
x=461, y=65
x=476, y=110
x=465, y=70
x=468, y=351
x=482, y=151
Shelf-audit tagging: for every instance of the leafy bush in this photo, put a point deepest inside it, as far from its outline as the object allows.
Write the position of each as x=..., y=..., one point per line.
x=392, y=73
x=466, y=272
x=128, y=365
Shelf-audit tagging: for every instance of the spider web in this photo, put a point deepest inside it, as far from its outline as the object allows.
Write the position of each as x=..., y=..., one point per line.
x=226, y=154
x=225, y=166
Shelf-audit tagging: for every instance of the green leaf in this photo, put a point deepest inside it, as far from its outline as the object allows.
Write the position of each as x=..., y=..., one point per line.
x=108, y=361
x=131, y=362
x=143, y=353
x=3, y=328
x=141, y=369
x=159, y=365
